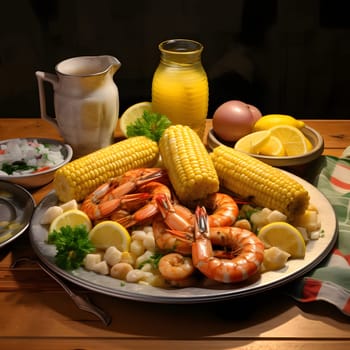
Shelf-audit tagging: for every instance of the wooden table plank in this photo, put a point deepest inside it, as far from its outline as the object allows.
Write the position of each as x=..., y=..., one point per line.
x=228, y=344
x=243, y=319
x=336, y=133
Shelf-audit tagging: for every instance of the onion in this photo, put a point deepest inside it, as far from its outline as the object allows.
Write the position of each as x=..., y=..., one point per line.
x=234, y=119
x=256, y=113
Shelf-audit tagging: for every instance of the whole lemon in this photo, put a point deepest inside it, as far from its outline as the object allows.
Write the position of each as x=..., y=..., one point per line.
x=271, y=120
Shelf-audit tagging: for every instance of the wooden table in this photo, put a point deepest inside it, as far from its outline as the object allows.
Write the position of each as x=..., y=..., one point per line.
x=37, y=314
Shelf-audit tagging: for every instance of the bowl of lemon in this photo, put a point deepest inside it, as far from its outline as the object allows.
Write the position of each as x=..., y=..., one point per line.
x=278, y=140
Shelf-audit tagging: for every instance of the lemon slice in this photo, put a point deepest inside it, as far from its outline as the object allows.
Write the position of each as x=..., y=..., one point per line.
x=72, y=217
x=110, y=234
x=273, y=147
x=308, y=144
x=271, y=120
x=252, y=142
x=132, y=113
x=283, y=236
x=293, y=140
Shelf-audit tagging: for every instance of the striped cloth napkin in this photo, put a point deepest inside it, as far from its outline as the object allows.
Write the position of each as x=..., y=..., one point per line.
x=330, y=281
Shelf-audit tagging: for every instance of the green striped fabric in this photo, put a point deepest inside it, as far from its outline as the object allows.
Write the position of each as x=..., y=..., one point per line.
x=330, y=281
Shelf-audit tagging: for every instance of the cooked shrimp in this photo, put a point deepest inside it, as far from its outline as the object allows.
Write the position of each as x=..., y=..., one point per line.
x=235, y=269
x=140, y=173
x=107, y=197
x=133, y=179
x=223, y=207
x=130, y=203
x=167, y=241
x=151, y=208
x=98, y=210
x=176, y=216
x=91, y=205
x=175, y=267
x=129, y=180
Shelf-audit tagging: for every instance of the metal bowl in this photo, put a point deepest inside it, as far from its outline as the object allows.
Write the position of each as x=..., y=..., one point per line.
x=43, y=177
x=286, y=161
x=16, y=210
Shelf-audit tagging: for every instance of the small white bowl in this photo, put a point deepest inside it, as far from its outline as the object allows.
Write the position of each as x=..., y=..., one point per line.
x=286, y=161
x=43, y=177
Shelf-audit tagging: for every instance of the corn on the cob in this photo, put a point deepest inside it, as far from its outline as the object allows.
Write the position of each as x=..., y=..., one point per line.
x=265, y=185
x=189, y=166
x=80, y=177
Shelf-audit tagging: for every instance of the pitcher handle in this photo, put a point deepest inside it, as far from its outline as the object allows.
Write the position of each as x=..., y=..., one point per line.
x=52, y=79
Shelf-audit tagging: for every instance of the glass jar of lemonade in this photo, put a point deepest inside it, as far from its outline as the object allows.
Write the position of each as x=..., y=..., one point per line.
x=180, y=84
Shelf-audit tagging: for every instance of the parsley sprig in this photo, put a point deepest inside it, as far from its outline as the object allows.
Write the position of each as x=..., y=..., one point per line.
x=72, y=244
x=10, y=168
x=151, y=124
x=153, y=260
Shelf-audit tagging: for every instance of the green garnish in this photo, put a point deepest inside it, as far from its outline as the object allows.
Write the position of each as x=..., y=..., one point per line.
x=72, y=244
x=10, y=168
x=151, y=124
x=153, y=260
x=247, y=211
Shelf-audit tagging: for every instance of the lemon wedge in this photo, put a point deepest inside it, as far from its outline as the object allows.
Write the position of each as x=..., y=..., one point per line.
x=271, y=120
x=283, y=236
x=72, y=217
x=131, y=114
x=110, y=234
x=252, y=142
x=293, y=140
x=308, y=144
x=273, y=147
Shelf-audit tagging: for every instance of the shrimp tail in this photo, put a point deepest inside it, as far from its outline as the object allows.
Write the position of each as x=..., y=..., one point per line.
x=175, y=216
x=201, y=223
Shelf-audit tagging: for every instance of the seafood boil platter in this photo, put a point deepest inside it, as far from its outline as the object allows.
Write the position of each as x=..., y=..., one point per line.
x=206, y=289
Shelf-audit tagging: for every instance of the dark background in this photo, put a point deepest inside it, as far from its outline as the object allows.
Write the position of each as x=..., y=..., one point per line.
x=284, y=56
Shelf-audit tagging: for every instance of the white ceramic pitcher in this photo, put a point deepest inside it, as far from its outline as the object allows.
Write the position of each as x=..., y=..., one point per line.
x=86, y=101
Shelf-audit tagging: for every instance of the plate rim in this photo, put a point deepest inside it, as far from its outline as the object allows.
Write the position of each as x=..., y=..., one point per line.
x=132, y=291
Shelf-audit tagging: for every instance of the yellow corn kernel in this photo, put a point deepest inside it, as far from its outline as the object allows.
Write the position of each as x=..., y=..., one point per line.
x=265, y=185
x=80, y=177
x=189, y=166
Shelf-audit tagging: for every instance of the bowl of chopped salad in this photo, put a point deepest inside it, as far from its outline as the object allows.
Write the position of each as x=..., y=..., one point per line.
x=32, y=162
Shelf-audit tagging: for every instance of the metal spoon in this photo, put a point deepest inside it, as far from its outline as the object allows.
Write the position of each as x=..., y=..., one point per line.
x=83, y=303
